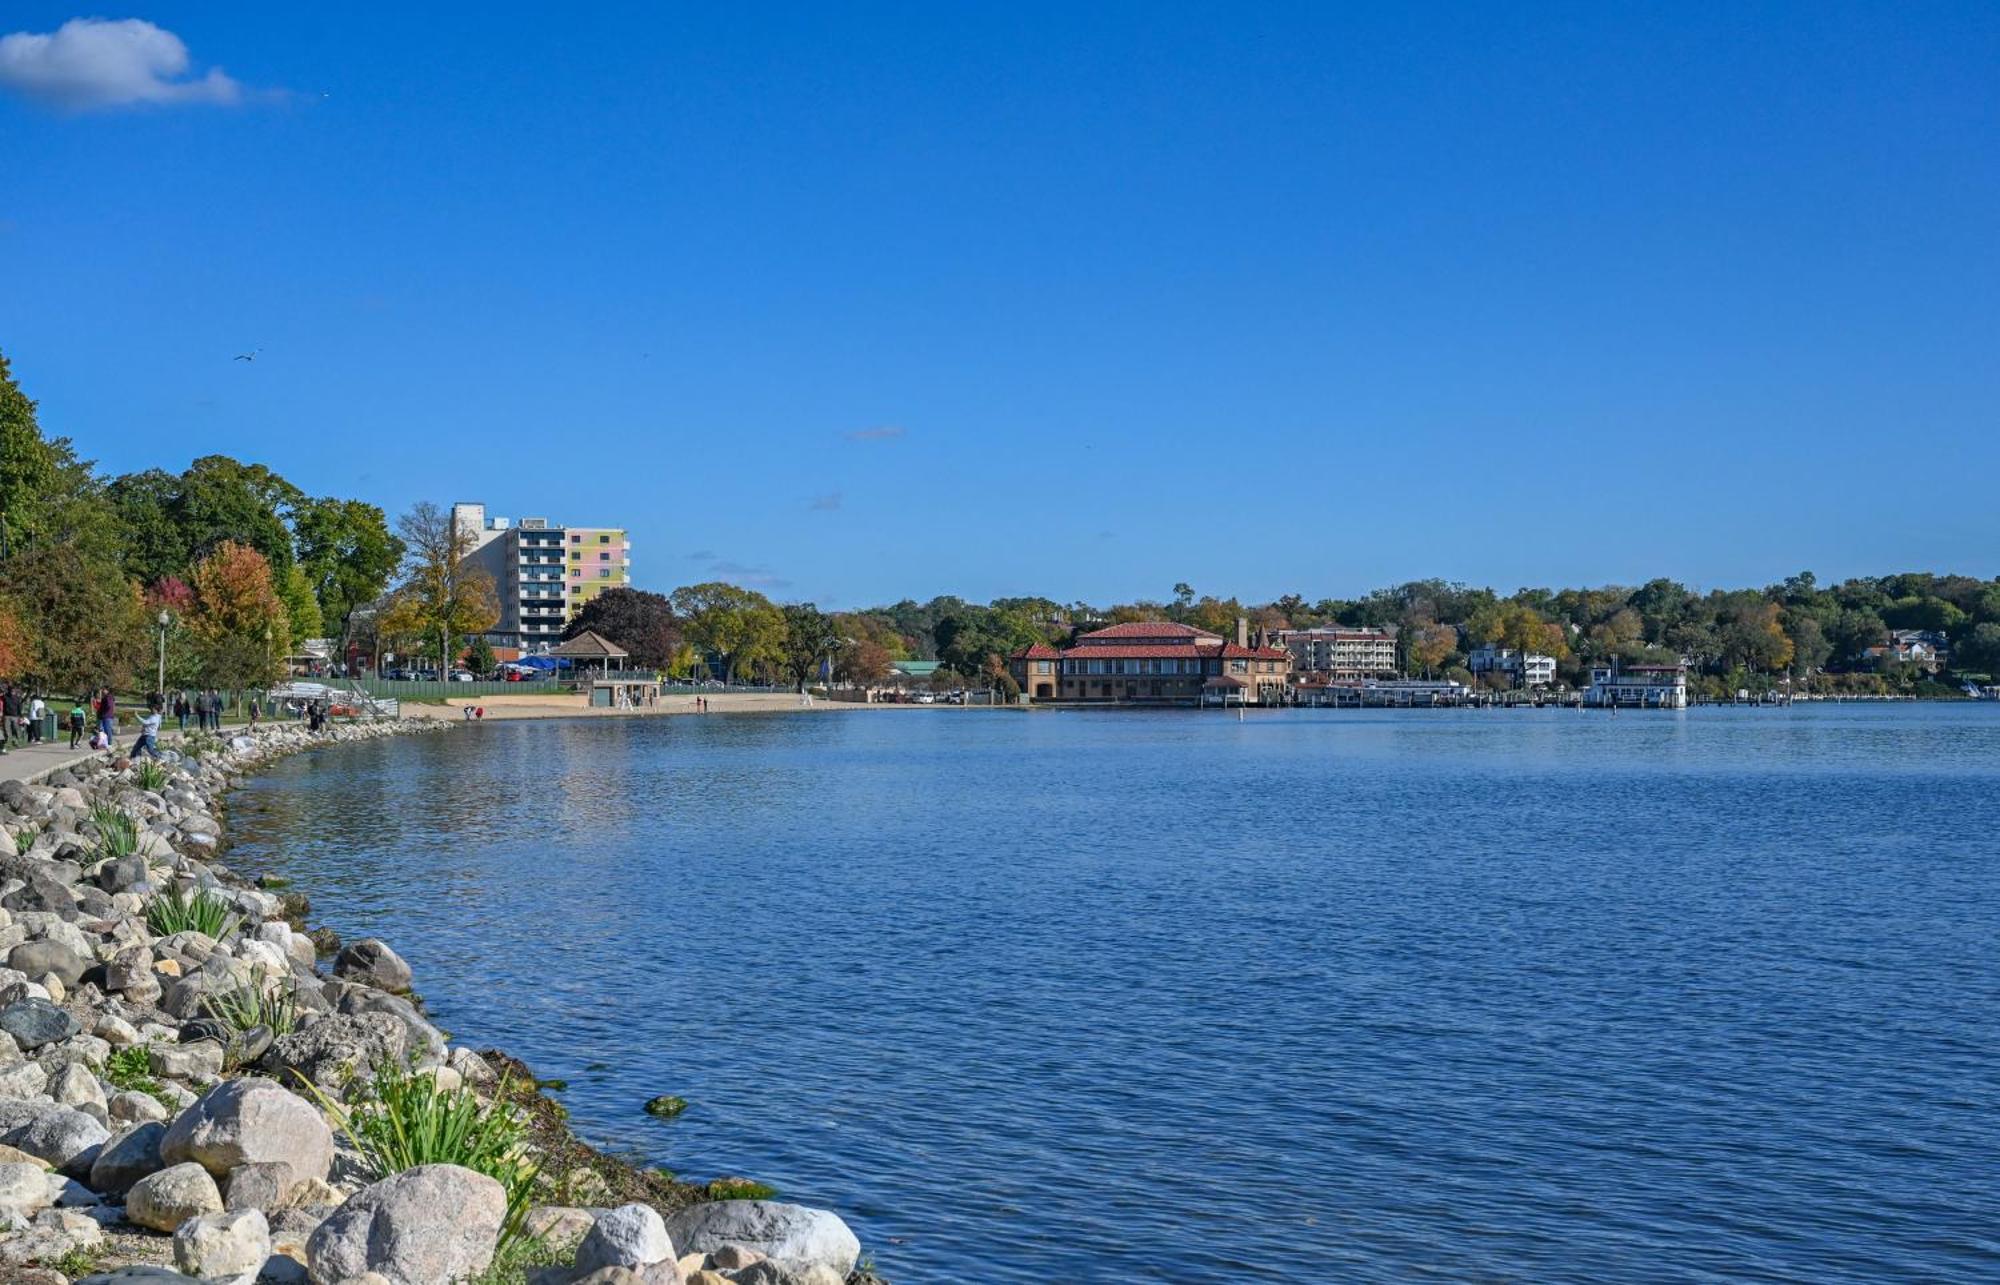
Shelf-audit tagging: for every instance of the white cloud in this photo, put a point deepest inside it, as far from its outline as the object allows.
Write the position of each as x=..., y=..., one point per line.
x=96, y=62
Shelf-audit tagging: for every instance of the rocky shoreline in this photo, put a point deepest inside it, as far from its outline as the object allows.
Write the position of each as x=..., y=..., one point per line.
x=231, y=1101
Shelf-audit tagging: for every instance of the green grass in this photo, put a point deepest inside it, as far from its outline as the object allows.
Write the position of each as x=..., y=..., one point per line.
x=117, y=831
x=521, y=1257
x=251, y=1006
x=184, y=911
x=405, y=1120
x=79, y=1261
x=131, y=1069
x=151, y=774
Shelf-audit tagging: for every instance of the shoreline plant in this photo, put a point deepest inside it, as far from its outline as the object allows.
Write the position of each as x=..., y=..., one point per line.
x=182, y=910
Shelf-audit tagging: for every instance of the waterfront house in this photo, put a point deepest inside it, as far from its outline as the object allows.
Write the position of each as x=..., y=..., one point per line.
x=1530, y=669
x=1925, y=648
x=1155, y=662
x=1340, y=652
x=1637, y=686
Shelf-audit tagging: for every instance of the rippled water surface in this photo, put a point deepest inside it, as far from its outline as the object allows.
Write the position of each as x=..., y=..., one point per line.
x=1310, y=996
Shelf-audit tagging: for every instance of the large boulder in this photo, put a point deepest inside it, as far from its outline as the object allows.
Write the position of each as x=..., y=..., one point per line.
x=629, y=1236
x=38, y=957
x=127, y=1158
x=165, y=1200
x=798, y=1239
x=251, y=1121
x=425, y=1225
x=335, y=1049
x=370, y=962
x=35, y=1022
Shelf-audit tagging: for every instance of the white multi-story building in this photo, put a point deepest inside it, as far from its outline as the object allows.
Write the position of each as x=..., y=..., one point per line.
x=1340, y=651
x=1527, y=669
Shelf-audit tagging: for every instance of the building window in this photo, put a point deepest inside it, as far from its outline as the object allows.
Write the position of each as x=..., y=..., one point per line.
x=605, y=574
x=604, y=539
x=604, y=557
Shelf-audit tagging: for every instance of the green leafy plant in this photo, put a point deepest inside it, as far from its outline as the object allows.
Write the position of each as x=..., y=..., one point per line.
x=188, y=910
x=131, y=1069
x=253, y=1005
x=151, y=774
x=405, y=1119
x=117, y=831
x=740, y=1189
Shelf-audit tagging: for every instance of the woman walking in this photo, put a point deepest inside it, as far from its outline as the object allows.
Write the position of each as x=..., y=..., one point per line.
x=182, y=709
x=107, y=716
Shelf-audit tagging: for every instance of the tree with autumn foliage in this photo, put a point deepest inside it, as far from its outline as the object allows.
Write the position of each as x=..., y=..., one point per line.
x=442, y=597
x=239, y=625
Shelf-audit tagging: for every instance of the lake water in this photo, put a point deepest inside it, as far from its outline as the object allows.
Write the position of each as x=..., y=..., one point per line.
x=1312, y=996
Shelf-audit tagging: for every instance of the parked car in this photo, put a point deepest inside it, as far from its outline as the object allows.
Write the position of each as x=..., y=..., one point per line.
x=461, y=675
x=926, y=698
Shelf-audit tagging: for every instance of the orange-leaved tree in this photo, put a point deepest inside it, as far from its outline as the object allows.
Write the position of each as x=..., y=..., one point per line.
x=238, y=621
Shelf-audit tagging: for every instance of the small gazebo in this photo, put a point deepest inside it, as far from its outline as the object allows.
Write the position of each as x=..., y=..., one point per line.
x=599, y=662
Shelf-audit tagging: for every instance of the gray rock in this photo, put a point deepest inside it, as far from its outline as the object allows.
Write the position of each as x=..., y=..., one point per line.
x=793, y=1236
x=127, y=1158
x=24, y=1188
x=629, y=1236
x=63, y=1136
x=425, y=1225
x=196, y=1063
x=225, y=1246
x=122, y=874
x=252, y=1121
x=44, y=893
x=335, y=1049
x=35, y=1022
x=130, y=967
x=422, y=1040
x=262, y=1184
x=23, y=1080
x=165, y=1200
x=39, y=957
x=371, y=962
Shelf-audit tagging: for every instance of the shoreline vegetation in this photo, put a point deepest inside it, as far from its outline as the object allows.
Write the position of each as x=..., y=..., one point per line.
x=190, y=1075
x=227, y=576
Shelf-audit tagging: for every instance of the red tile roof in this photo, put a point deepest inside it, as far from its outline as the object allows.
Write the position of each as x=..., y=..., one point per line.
x=1143, y=651
x=1037, y=651
x=1231, y=651
x=1148, y=629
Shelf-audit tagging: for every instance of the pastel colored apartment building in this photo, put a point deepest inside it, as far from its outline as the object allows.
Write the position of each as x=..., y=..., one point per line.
x=1340, y=651
x=542, y=571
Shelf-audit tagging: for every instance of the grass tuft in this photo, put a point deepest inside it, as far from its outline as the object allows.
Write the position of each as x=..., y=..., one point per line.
x=182, y=910
x=740, y=1189
x=151, y=774
x=252, y=1006
x=405, y=1119
x=117, y=831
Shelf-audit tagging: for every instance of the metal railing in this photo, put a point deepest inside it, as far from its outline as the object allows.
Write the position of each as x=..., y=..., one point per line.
x=423, y=690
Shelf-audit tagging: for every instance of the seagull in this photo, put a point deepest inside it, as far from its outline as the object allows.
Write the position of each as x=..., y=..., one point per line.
x=249, y=356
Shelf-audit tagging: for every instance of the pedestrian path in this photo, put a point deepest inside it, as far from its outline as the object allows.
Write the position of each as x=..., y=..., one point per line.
x=31, y=763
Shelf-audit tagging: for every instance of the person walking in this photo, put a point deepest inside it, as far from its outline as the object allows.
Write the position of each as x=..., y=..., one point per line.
x=256, y=712
x=36, y=708
x=214, y=710
x=107, y=715
x=77, y=714
x=182, y=708
x=10, y=715
x=148, y=743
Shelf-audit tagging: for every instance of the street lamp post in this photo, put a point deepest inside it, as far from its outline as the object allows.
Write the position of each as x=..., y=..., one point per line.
x=165, y=620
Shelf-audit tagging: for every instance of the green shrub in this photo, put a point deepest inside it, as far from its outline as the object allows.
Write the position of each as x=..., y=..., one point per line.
x=252, y=1006
x=131, y=1069
x=405, y=1119
x=117, y=831
x=182, y=910
x=740, y=1189
x=151, y=774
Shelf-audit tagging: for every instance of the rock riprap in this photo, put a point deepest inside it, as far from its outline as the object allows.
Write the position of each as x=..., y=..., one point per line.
x=170, y=1074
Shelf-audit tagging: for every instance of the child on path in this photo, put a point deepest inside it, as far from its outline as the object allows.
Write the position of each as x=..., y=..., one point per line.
x=149, y=731
x=76, y=716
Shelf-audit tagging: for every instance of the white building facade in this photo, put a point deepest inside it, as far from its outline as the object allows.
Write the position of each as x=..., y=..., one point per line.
x=1529, y=669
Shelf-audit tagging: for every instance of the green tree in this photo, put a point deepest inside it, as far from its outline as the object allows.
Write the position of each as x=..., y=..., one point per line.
x=220, y=499
x=301, y=608
x=810, y=638
x=28, y=463
x=347, y=553
x=740, y=627
x=641, y=622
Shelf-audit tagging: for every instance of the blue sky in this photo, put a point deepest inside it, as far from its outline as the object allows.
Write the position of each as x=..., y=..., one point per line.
x=858, y=302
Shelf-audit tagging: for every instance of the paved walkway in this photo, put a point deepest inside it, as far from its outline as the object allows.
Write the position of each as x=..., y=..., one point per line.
x=31, y=763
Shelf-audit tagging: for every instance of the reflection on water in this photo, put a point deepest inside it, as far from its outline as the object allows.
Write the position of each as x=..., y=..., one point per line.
x=1317, y=995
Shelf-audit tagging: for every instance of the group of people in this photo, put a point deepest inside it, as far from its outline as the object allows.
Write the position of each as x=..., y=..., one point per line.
x=205, y=707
